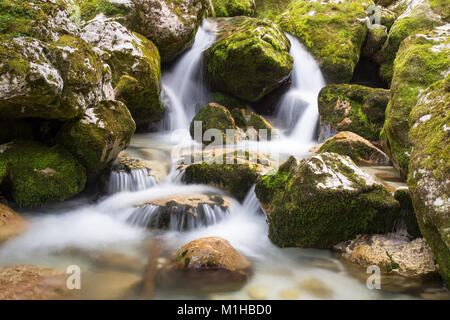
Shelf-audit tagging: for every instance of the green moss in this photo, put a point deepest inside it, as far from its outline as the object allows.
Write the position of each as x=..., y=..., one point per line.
x=237, y=179
x=364, y=106
x=249, y=59
x=441, y=8
x=333, y=32
x=90, y=8
x=270, y=9
x=38, y=174
x=231, y=8
x=97, y=139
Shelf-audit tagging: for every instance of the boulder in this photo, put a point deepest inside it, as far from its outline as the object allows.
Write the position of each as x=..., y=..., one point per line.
x=98, y=137
x=29, y=282
x=429, y=169
x=135, y=65
x=36, y=174
x=233, y=171
x=208, y=264
x=231, y=8
x=249, y=59
x=416, y=15
x=170, y=24
x=354, y=108
x=421, y=60
x=393, y=253
x=323, y=200
x=375, y=38
x=11, y=224
x=182, y=212
x=361, y=151
x=270, y=9
x=119, y=9
x=333, y=31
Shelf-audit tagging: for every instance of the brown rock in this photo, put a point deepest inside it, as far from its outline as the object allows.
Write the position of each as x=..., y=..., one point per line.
x=11, y=224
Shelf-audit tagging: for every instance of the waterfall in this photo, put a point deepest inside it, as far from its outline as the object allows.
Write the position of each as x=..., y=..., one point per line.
x=298, y=110
x=184, y=91
x=135, y=180
x=179, y=218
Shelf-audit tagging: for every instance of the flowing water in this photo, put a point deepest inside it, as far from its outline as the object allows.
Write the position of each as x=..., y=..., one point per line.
x=69, y=233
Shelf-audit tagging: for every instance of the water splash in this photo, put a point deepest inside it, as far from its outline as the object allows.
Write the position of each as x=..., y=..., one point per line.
x=135, y=180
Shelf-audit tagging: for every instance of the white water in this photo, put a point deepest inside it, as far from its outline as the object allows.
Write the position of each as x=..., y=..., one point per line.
x=136, y=180
x=183, y=85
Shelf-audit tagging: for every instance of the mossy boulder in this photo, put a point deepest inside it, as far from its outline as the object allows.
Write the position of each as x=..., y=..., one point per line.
x=249, y=59
x=333, y=31
x=37, y=174
x=170, y=24
x=429, y=169
x=361, y=151
x=416, y=16
x=99, y=135
x=119, y=9
x=322, y=201
x=375, y=38
x=135, y=66
x=421, y=60
x=232, y=8
x=270, y=9
x=354, y=108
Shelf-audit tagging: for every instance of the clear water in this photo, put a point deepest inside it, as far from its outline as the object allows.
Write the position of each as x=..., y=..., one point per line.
x=67, y=233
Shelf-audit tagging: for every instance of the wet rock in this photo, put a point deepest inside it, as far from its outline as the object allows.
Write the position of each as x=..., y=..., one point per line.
x=210, y=264
x=361, y=151
x=11, y=224
x=323, y=200
x=333, y=32
x=35, y=174
x=29, y=282
x=421, y=60
x=258, y=292
x=249, y=59
x=170, y=24
x=393, y=253
x=111, y=285
x=354, y=108
x=316, y=288
x=290, y=294
x=182, y=212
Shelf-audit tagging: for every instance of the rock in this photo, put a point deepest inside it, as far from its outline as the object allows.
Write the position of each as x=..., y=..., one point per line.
x=127, y=164
x=417, y=15
x=182, y=212
x=317, y=288
x=249, y=59
x=231, y=8
x=406, y=215
x=258, y=292
x=421, y=60
x=323, y=200
x=99, y=136
x=119, y=9
x=11, y=224
x=170, y=24
x=375, y=38
x=135, y=65
x=354, y=108
x=208, y=263
x=213, y=116
x=270, y=9
x=36, y=174
x=393, y=253
x=234, y=172
x=333, y=31
x=29, y=282
x=110, y=285
x=290, y=294
x=361, y=151
x=429, y=169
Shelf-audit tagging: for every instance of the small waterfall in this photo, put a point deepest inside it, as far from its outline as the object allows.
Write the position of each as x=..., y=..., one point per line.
x=298, y=110
x=178, y=218
x=183, y=88
x=135, y=180
x=251, y=202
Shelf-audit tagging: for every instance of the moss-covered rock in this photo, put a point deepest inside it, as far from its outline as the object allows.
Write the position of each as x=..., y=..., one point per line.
x=249, y=59
x=170, y=24
x=416, y=16
x=88, y=9
x=323, y=200
x=37, y=174
x=375, y=38
x=429, y=169
x=361, y=151
x=97, y=138
x=135, y=65
x=232, y=8
x=270, y=9
x=354, y=108
x=421, y=60
x=334, y=32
